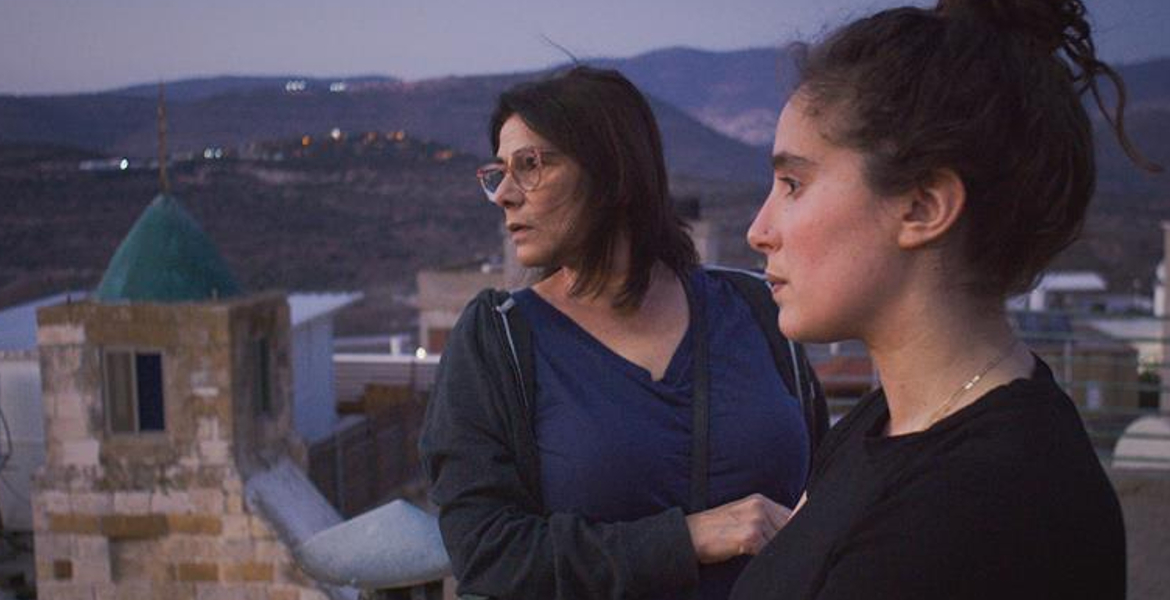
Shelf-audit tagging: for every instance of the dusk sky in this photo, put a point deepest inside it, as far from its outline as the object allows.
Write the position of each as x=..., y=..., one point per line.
x=61, y=46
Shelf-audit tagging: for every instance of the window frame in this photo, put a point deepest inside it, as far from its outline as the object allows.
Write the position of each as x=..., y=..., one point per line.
x=135, y=397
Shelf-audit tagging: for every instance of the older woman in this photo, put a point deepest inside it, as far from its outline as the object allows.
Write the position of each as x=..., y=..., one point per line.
x=585, y=439
x=932, y=162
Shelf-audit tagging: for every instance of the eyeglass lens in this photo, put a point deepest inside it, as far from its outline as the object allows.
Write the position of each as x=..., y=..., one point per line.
x=524, y=165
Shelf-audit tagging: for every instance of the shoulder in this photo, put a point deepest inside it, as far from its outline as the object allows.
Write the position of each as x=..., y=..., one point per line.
x=1025, y=458
x=479, y=315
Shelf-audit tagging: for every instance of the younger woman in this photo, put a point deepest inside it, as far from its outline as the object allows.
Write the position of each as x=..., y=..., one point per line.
x=931, y=163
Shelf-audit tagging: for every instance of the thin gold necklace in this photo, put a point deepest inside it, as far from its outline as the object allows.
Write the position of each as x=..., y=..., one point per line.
x=942, y=410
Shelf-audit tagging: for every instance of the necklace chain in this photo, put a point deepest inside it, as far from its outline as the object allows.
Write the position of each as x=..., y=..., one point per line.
x=945, y=407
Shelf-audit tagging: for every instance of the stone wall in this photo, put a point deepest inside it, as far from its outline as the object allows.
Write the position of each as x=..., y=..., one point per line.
x=162, y=514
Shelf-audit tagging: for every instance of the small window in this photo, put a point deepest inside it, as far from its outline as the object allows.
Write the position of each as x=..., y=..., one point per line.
x=134, y=391
x=262, y=387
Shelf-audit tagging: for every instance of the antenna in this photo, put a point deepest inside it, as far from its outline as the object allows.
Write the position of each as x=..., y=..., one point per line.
x=163, y=181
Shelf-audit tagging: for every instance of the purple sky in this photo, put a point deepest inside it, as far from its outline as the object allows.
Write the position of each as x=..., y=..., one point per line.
x=53, y=46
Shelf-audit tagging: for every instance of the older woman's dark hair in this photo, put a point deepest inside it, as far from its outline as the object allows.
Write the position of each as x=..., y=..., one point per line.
x=990, y=89
x=603, y=122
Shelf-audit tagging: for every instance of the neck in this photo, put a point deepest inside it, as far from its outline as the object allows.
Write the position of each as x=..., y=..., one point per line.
x=562, y=281
x=927, y=353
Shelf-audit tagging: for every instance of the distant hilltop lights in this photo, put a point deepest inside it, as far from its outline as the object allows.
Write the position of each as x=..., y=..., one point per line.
x=332, y=144
x=113, y=164
x=296, y=86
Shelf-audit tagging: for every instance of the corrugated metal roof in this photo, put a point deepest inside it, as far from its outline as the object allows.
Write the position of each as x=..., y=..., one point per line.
x=1072, y=281
x=304, y=307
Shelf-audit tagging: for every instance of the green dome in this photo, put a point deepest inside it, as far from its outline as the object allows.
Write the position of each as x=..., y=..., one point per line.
x=166, y=257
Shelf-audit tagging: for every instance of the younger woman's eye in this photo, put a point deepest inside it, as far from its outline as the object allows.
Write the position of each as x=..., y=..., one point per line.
x=793, y=184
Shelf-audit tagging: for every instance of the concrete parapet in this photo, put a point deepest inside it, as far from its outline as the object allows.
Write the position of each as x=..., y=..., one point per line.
x=1145, y=504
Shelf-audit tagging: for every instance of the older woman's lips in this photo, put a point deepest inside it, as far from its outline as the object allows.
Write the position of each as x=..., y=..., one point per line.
x=517, y=230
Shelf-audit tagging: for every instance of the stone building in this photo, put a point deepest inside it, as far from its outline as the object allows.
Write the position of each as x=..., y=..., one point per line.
x=165, y=397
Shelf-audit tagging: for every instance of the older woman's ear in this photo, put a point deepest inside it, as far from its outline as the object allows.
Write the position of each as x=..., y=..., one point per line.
x=929, y=211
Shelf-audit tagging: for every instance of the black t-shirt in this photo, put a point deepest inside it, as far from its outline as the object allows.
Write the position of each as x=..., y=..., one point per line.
x=1002, y=499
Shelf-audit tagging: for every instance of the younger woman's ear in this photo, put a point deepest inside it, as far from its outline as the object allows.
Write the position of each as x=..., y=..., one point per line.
x=931, y=209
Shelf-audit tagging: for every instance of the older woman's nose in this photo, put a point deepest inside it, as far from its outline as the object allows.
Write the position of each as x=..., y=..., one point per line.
x=508, y=195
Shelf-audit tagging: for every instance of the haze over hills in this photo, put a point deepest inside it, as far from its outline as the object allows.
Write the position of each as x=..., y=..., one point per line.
x=230, y=112
x=364, y=213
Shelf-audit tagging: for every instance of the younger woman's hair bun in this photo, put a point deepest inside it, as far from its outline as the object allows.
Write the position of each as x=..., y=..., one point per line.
x=1056, y=27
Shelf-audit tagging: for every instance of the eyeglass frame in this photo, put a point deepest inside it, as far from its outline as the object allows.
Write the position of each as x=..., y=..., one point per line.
x=506, y=167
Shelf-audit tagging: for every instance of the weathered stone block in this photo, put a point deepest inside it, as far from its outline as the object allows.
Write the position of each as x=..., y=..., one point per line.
x=92, y=547
x=195, y=571
x=66, y=430
x=207, y=429
x=68, y=404
x=92, y=502
x=234, y=502
x=158, y=591
x=52, y=501
x=192, y=548
x=134, y=526
x=195, y=524
x=170, y=502
x=215, y=451
x=236, y=526
x=60, y=335
x=50, y=546
x=91, y=571
x=74, y=523
x=248, y=571
x=221, y=592
x=132, y=503
x=63, y=590
x=270, y=551
x=284, y=593
x=236, y=550
x=260, y=529
x=152, y=570
x=207, y=501
x=108, y=591
x=82, y=453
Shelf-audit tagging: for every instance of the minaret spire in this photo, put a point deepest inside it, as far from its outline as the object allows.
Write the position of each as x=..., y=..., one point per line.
x=163, y=181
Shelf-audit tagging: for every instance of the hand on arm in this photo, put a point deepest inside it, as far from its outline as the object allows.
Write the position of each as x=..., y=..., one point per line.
x=741, y=527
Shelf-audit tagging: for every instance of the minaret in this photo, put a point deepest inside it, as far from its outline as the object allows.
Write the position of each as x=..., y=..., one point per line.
x=166, y=403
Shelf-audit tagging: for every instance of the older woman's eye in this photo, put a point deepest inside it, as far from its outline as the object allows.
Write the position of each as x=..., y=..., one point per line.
x=526, y=162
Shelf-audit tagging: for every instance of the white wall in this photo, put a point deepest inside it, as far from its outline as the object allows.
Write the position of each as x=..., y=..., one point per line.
x=20, y=400
x=314, y=412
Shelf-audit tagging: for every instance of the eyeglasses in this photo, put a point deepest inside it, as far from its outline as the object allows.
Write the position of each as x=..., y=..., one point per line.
x=525, y=166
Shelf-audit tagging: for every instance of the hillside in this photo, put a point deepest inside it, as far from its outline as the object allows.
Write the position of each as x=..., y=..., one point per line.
x=346, y=217
x=452, y=111
x=366, y=212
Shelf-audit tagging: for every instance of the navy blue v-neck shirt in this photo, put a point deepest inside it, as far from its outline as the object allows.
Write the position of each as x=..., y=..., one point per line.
x=615, y=445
